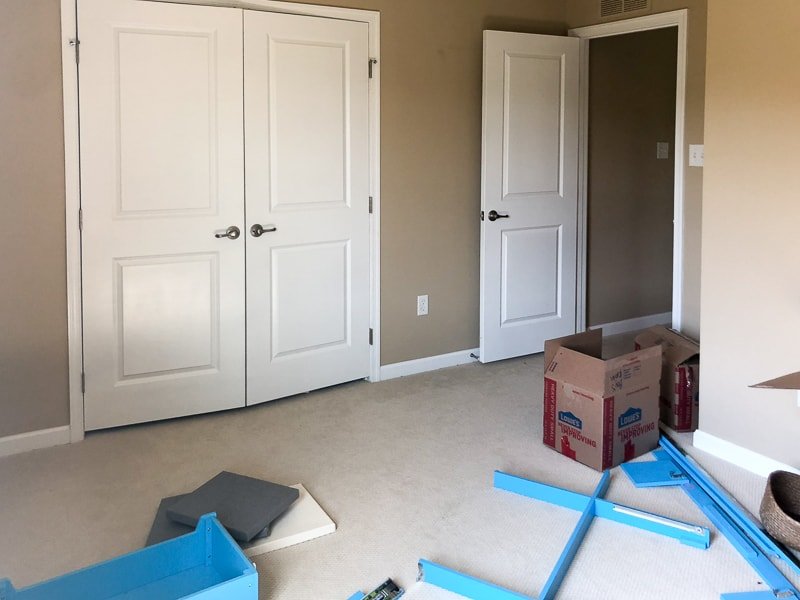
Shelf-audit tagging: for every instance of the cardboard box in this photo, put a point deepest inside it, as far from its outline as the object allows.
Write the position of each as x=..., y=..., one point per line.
x=600, y=412
x=787, y=382
x=680, y=377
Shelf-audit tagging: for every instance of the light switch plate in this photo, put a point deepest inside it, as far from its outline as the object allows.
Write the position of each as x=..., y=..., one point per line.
x=696, y=155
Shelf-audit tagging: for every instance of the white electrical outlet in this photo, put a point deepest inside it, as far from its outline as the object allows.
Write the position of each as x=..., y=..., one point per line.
x=422, y=305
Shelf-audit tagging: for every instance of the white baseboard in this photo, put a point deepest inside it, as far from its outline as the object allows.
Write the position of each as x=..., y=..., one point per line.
x=742, y=457
x=430, y=363
x=34, y=440
x=635, y=324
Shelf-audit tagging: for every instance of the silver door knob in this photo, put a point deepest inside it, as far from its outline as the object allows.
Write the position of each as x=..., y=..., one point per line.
x=258, y=230
x=494, y=215
x=232, y=233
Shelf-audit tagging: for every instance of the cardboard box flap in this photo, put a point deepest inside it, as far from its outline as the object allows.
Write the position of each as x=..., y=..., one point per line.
x=652, y=336
x=677, y=355
x=579, y=369
x=677, y=348
x=633, y=370
x=589, y=342
x=787, y=382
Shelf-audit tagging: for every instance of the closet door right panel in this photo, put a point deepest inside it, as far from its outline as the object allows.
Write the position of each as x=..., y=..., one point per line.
x=307, y=194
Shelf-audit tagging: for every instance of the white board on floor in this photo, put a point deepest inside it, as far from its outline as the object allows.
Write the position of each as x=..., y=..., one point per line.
x=305, y=520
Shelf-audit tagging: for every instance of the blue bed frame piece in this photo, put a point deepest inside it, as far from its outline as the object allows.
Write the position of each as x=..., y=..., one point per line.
x=686, y=533
x=671, y=468
x=206, y=564
x=752, y=542
x=589, y=507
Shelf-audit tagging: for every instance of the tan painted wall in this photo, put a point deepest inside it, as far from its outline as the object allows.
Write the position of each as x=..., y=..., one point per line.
x=630, y=192
x=586, y=12
x=431, y=81
x=751, y=226
x=431, y=119
x=33, y=347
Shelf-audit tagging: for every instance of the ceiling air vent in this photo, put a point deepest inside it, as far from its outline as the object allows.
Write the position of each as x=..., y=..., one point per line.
x=632, y=5
x=610, y=8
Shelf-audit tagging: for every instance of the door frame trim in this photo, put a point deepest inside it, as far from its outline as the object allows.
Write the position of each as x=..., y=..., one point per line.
x=72, y=169
x=676, y=18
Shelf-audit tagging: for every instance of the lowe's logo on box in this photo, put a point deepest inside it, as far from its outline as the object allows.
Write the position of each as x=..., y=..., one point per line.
x=629, y=417
x=570, y=419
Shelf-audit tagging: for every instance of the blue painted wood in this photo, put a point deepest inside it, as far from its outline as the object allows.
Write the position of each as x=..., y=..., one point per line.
x=459, y=583
x=565, y=560
x=749, y=596
x=657, y=473
x=590, y=507
x=205, y=565
x=540, y=491
x=728, y=505
x=686, y=533
x=357, y=596
x=769, y=573
x=732, y=523
x=660, y=454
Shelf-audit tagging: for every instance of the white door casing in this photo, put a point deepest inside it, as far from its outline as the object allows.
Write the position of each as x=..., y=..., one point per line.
x=678, y=19
x=161, y=163
x=307, y=176
x=530, y=175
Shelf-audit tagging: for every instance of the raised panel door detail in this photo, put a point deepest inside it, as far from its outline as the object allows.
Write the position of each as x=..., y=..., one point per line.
x=162, y=171
x=309, y=112
x=532, y=164
x=167, y=314
x=311, y=298
x=306, y=93
x=529, y=175
x=166, y=158
x=531, y=266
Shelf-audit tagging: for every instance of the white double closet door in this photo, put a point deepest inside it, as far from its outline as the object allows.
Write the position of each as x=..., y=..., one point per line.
x=196, y=120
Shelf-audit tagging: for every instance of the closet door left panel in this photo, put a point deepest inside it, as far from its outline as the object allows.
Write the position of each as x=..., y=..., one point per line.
x=161, y=184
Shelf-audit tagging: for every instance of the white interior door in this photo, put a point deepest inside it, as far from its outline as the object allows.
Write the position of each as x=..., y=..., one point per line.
x=161, y=174
x=529, y=192
x=307, y=186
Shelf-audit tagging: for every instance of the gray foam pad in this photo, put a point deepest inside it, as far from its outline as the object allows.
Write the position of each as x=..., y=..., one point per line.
x=164, y=528
x=244, y=505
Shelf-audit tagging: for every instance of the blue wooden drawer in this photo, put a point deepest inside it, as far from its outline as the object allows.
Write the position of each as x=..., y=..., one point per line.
x=206, y=564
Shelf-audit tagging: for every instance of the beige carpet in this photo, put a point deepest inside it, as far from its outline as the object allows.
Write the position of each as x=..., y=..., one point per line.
x=404, y=468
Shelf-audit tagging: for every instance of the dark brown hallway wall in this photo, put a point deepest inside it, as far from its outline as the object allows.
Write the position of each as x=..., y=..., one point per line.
x=631, y=192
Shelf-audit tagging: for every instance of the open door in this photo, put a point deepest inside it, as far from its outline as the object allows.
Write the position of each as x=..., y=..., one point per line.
x=529, y=197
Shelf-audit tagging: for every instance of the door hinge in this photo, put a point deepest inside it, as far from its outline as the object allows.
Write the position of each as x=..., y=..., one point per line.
x=372, y=63
x=80, y=219
x=370, y=205
x=371, y=336
x=83, y=383
x=76, y=44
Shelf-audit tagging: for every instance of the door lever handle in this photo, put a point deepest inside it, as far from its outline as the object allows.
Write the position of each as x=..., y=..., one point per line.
x=258, y=230
x=232, y=233
x=494, y=215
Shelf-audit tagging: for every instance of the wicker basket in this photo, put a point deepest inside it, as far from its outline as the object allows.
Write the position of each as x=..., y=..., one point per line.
x=780, y=508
